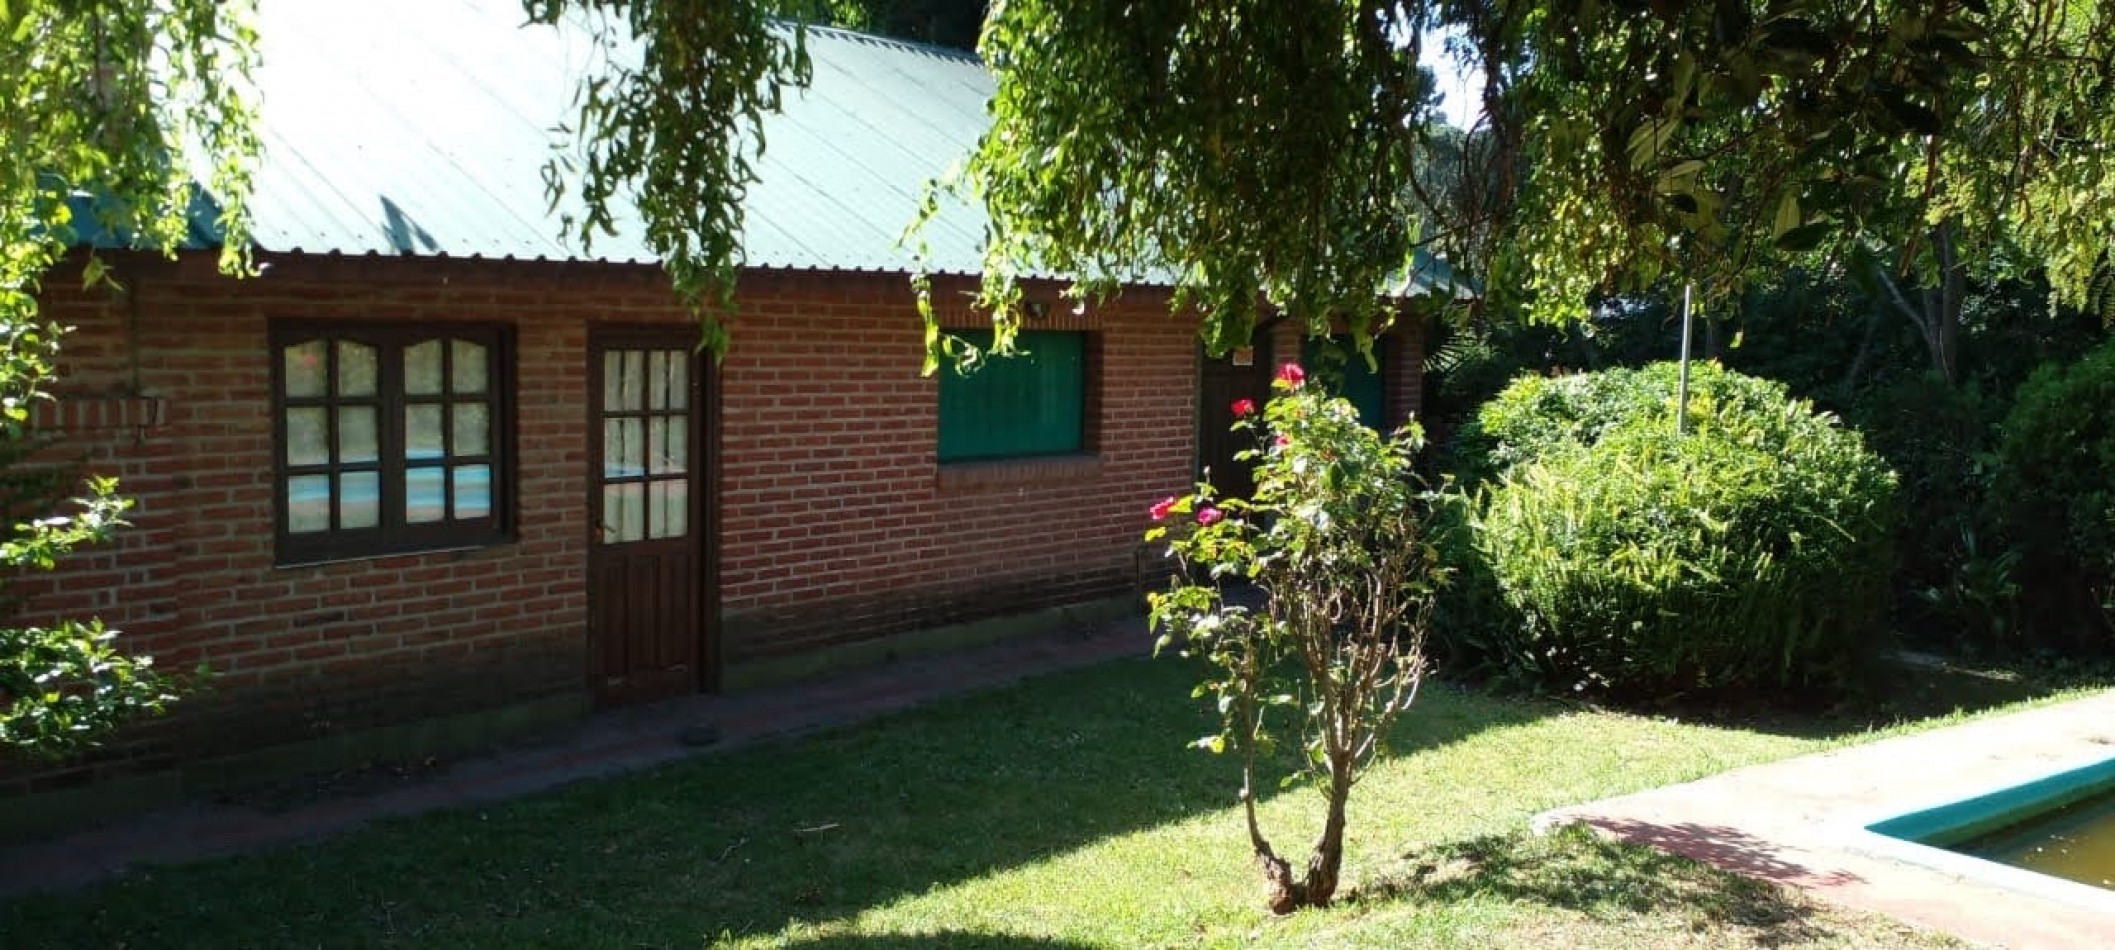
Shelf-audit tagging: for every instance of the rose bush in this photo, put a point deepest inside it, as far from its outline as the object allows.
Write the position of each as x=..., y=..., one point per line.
x=1336, y=540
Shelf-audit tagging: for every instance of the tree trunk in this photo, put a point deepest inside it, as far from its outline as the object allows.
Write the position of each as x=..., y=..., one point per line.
x=1328, y=857
x=1953, y=285
x=1937, y=310
x=1280, y=891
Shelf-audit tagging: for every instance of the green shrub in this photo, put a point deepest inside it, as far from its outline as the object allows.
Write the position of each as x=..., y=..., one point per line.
x=1537, y=414
x=1618, y=557
x=2056, y=487
x=1957, y=577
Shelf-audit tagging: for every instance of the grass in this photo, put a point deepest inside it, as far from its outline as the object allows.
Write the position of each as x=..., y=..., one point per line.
x=1061, y=813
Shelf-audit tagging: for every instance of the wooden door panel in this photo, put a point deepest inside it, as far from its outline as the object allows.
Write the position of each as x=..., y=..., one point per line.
x=646, y=578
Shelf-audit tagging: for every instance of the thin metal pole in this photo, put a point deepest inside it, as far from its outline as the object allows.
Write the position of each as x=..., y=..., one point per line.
x=1681, y=399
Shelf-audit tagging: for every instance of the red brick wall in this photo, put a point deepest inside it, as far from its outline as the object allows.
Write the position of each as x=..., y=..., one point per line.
x=840, y=524
x=837, y=522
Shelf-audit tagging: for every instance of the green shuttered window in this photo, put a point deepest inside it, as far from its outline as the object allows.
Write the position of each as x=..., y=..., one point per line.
x=1026, y=405
x=1343, y=372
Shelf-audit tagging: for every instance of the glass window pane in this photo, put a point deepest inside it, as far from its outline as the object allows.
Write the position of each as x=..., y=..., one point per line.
x=623, y=512
x=473, y=491
x=473, y=428
x=356, y=369
x=359, y=499
x=422, y=433
x=425, y=496
x=670, y=511
x=623, y=381
x=468, y=367
x=676, y=379
x=657, y=380
x=671, y=445
x=307, y=504
x=308, y=436
x=623, y=448
x=635, y=380
x=356, y=434
x=304, y=369
x=422, y=369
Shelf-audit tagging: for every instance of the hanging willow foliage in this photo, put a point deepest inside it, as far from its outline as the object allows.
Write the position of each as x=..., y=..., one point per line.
x=670, y=119
x=1286, y=154
x=1264, y=151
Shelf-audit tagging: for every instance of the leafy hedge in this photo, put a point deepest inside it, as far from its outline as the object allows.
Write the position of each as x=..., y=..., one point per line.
x=1616, y=556
x=2056, y=486
x=1537, y=414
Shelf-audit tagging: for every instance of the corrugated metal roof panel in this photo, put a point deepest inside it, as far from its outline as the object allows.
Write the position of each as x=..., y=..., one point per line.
x=421, y=127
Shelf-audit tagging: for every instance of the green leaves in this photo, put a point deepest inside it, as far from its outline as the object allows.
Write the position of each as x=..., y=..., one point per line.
x=1333, y=542
x=64, y=687
x=1253, y=152
x=118, y=118
x=2056, y=485
x=1618, y=556
x=671, y=118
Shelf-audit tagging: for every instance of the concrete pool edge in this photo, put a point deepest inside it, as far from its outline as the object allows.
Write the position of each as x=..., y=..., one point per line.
x=1800, y=822
x=1914, y=835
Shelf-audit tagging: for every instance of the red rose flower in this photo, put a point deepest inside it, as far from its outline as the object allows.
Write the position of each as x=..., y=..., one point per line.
x=1210, y=516
x=1161, y=508
x=1291, y=375
x=1244, y=407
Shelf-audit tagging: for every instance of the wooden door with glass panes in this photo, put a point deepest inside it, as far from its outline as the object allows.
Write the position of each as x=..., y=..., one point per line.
x=646, y=573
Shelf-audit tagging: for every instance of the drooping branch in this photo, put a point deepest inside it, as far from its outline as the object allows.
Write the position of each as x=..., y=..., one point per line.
x=671, y=120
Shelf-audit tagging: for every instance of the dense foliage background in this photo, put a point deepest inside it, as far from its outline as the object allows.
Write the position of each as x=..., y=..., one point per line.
x=2002, y=467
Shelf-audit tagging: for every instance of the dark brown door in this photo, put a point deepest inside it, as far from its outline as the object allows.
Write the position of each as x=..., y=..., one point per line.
x=1222, y=381
x=647, y=582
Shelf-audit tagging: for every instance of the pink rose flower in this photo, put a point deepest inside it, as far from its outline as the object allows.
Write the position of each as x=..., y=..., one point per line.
x=1210, y=516
x=1291, y=375
x=1282, y=441
x=1161, y=508
x=1244, y=407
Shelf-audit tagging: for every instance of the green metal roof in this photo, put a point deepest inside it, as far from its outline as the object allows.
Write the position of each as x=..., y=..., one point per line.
x=421, y=127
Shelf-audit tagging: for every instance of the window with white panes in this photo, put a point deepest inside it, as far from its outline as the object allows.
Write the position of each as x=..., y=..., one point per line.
x=645, y=421
x=391, y=438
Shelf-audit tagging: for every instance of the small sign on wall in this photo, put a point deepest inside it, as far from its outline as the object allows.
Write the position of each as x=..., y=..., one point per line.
x=1244, y=356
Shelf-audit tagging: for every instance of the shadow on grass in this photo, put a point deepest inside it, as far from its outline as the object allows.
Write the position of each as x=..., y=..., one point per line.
x=941, y=940
x=1915, y=687
x=743, y=843
x=1575, y=869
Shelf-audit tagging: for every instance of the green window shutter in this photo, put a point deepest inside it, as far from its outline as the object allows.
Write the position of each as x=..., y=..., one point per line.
x=1345, y=373
x=1032, y=404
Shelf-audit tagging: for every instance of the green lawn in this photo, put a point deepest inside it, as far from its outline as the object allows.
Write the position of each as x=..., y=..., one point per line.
x=1062, y=813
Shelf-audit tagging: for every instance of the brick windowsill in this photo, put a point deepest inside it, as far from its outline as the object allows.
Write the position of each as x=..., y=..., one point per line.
x=1019, y=473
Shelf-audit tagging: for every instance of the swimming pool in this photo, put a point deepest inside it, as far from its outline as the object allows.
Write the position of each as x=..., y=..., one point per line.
x=2053, y=836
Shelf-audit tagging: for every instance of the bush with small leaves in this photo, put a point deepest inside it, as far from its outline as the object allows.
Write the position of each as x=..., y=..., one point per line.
x=1617, y=556
x=2056, y=488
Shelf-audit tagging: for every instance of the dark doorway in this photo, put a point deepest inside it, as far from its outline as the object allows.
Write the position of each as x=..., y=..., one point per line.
x=1222, y=381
